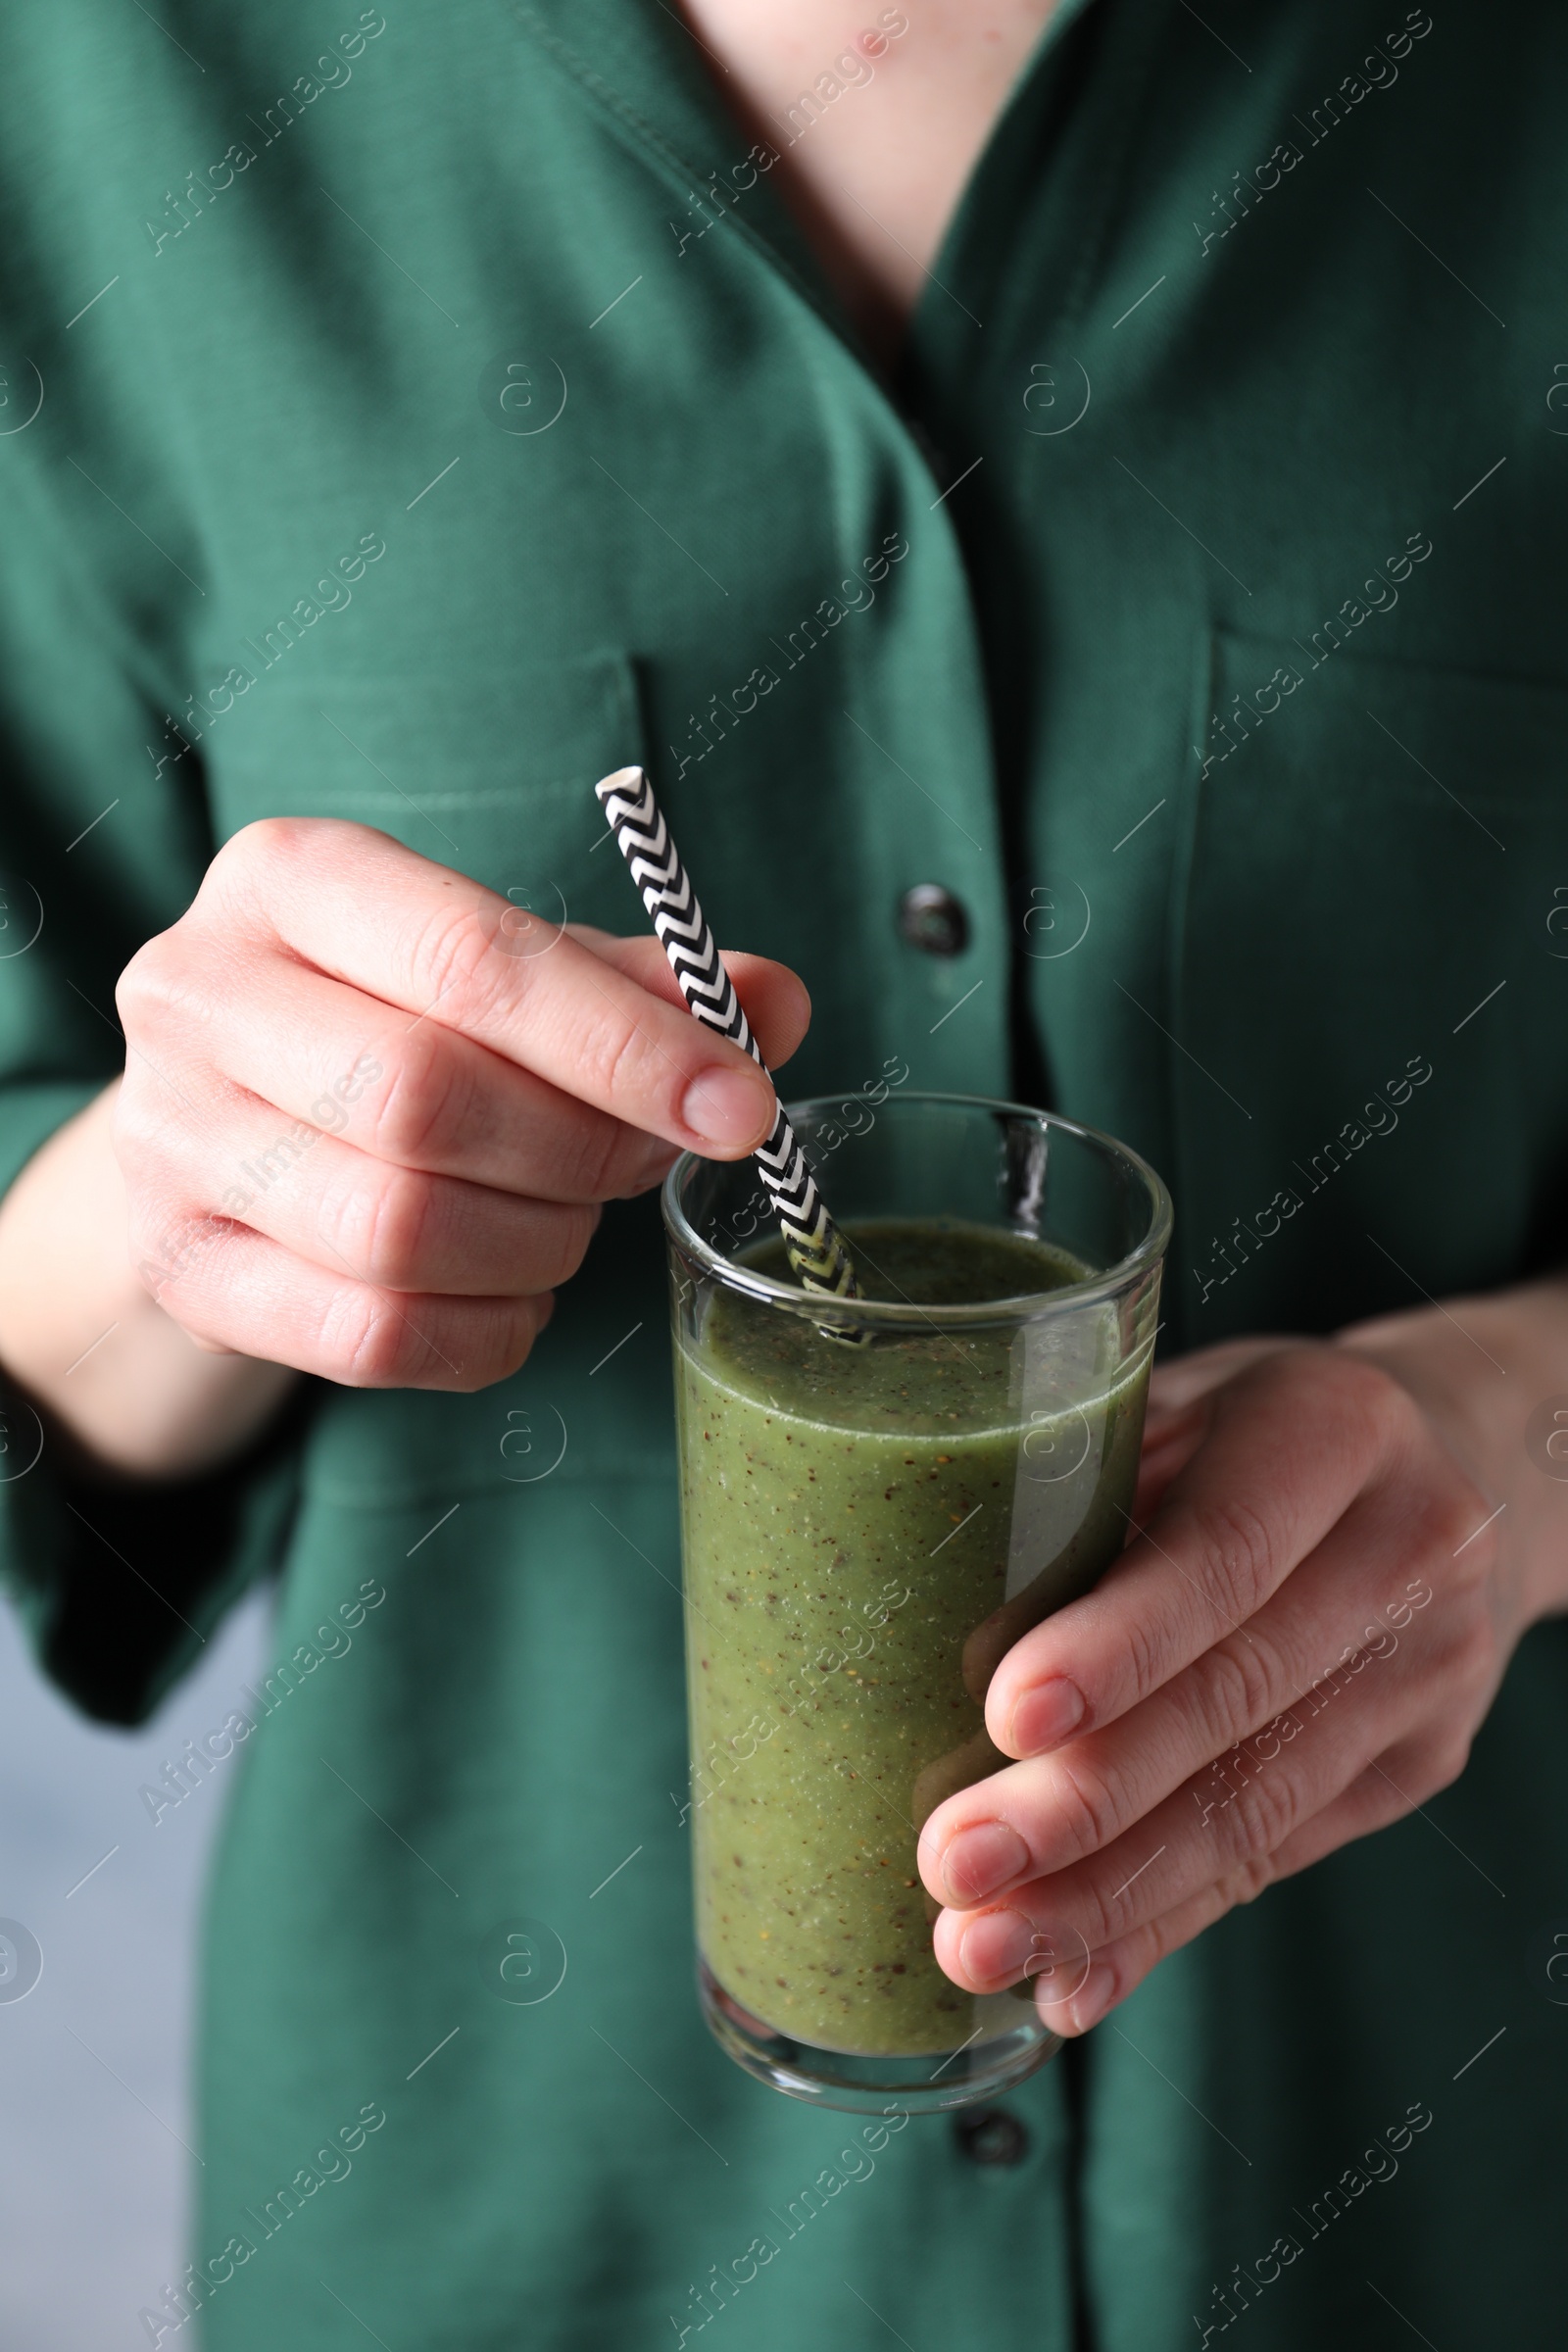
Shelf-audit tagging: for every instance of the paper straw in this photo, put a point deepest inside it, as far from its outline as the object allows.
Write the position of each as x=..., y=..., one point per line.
x=816, y=1247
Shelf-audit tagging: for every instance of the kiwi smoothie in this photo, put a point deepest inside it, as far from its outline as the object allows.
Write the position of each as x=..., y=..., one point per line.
x=866, y=1531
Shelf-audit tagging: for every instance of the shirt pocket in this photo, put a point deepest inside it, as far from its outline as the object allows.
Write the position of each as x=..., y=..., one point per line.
x=487, y=771
x=1369, y=982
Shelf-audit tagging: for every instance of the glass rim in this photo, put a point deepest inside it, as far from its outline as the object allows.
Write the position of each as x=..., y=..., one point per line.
x=895, y=1314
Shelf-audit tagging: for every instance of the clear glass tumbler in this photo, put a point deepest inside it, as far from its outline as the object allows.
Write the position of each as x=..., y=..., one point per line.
x=867, y=1529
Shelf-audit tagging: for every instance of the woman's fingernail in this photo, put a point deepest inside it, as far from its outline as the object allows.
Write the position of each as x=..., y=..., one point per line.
x=1046, y=1716
x=982, y=1860
x=724, y=1106
x=1092, y=1998
x=994, y=1948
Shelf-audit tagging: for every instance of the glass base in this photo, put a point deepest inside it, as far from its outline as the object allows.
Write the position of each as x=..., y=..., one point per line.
x=925, y=2085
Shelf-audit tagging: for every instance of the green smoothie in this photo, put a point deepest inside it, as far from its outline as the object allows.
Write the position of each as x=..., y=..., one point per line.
x=866, y=1531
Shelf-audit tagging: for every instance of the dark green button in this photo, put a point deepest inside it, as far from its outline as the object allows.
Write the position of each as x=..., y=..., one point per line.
x=990, y=2135
x=932, y=920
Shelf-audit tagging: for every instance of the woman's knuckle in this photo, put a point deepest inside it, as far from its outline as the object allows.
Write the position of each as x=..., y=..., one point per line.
x=150, y=983
x=388, y=1228
x=364, y=1344
x=1146, y=1656
x=617, y=1058
x=1164, y=1937
x=1425, y=1769
x=1263, y=1812
x=599, y=1155
x=583, y=1154
x=261, y=870
x=1470, y=1644
x=1451, y=1758
x=154, y=1235
x=574, y=1230
x=1238, y=1685
x=449, y=957
x=1238, y=1548
x=1102, y=1918
x=496, y=1342
x=1453, y=1517
x=1248, y=1878
x=142, y=1141
x=419, y=1112
x=1086, y=1810
x=133, y=979
x=268, y=844
x=367, y=1340
x=255, y=874
x=1366, y=1392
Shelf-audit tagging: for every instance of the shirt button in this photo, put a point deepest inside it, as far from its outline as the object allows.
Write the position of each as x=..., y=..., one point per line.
x=991, y=2136
x=932, y=920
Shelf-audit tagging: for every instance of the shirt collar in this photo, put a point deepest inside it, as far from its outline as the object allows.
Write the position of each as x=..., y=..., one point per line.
x=643, y=70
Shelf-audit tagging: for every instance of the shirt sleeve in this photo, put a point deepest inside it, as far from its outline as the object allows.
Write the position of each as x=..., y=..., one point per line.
x=104, y=836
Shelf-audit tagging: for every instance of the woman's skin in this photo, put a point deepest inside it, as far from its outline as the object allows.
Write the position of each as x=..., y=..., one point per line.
x=1338, y=1544
x=875, y=172
x=469, y=1085
x=1336, y=1547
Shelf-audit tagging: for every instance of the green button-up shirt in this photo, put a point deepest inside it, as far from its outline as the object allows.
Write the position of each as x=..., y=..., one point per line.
x=410, y=416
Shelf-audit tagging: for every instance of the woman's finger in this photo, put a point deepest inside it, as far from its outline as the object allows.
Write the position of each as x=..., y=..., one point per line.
x=410, y=1093
x=1175, y=1384
x=224, y=1284
x=774, y=998
x=1191, y=1842
x=1290, y=1443
x=395, y=1228
x=1119, y=1968
x=1371, y=1802
x=1393, y=1783
x=445, y=950
x=1176, y=1419
x=1170, y=1441
x=1321, y=1633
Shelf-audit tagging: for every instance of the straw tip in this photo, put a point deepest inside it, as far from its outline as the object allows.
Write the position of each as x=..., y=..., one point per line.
x=624, y=780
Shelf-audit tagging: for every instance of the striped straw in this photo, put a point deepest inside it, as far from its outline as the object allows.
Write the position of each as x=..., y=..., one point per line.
x=816, y=1247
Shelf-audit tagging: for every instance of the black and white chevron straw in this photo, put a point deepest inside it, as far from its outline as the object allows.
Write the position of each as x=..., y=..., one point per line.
x=816, y=1247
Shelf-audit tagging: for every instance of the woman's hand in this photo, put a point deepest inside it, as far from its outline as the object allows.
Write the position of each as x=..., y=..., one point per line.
x=370, y=1110
x=1296, y=1649
x=369, y=1118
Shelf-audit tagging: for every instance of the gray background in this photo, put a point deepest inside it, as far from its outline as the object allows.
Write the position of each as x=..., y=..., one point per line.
x=95, y=2186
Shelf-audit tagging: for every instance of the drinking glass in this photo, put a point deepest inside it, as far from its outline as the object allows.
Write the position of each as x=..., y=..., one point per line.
x=878, y=1497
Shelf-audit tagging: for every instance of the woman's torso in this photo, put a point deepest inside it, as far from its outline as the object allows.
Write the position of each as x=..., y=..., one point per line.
x=504, y=430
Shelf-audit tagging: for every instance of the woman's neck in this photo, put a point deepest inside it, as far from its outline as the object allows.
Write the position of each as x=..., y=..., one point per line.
x=878, y=117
